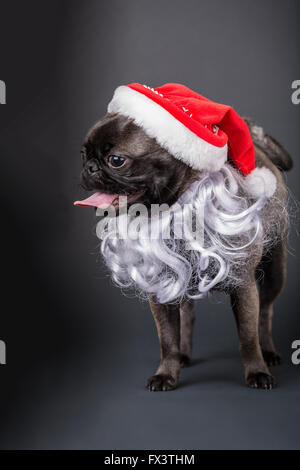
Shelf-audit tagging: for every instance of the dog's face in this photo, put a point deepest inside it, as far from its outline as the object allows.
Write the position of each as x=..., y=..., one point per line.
x=120, y=159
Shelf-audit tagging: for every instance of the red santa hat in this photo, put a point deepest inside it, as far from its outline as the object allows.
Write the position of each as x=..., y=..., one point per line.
x=195, y=130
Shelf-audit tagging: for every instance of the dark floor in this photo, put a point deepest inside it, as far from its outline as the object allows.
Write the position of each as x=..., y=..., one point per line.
x=99, y=401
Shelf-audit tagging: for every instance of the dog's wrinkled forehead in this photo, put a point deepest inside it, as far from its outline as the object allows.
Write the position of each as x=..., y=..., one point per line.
x=148, y=168
x=120, y=134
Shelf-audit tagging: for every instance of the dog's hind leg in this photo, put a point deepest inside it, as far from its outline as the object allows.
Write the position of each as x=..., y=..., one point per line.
x=187, y=320
x=271, y=282
x=167, y=319
x=245, y=305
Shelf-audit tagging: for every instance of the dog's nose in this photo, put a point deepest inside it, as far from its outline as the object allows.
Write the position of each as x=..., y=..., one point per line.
x=92, y=166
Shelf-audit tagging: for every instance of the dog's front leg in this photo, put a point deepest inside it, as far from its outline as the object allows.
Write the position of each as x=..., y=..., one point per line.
x=245, y=304
x=187, y=319
x=167, y=319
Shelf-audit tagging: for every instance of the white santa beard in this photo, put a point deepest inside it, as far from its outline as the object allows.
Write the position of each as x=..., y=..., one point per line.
x=232, y=227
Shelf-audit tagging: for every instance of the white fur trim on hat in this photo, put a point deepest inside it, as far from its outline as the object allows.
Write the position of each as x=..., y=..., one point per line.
x=170, y=133
x=260, y=182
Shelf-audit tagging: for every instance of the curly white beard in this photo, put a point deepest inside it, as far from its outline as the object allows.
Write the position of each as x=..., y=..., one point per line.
x=172, y=267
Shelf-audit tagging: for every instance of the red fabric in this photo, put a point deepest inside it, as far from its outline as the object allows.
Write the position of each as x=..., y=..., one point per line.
x=200, y=115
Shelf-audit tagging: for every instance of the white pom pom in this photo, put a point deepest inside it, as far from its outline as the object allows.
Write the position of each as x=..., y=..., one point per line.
x=260, y=182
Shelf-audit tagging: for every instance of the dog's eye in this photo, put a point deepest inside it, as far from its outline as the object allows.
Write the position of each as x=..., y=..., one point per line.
x=116, y=162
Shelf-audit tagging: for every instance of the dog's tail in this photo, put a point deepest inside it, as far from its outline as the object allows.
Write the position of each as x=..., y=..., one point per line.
x=273, y=149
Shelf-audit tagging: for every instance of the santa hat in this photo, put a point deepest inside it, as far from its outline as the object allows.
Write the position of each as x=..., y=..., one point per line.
x=195, y=130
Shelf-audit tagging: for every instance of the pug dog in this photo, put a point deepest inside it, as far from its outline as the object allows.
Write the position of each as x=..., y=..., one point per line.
x=120, y=158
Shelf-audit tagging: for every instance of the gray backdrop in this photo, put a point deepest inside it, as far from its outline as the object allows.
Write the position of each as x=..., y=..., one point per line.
x=78, y=351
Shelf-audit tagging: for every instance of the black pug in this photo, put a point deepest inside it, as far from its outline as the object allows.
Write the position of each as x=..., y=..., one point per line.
x=121, y=158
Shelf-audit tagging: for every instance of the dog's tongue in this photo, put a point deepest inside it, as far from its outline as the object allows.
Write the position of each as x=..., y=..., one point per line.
x=101, y=200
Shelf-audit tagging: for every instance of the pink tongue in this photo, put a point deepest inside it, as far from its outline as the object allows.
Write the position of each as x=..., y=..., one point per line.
x=101, y=200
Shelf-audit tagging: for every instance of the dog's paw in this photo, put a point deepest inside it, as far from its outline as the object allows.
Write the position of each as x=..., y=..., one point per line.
x=260, y=380
x=161, y=383
x=271, y=358
x=185, y=361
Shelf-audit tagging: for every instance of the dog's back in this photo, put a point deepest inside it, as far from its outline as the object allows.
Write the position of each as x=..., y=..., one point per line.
x=270, y=146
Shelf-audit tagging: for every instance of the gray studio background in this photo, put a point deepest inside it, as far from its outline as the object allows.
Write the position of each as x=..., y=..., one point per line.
x=78, y=351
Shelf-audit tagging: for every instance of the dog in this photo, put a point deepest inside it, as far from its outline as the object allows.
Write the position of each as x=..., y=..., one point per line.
x=120, y=158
